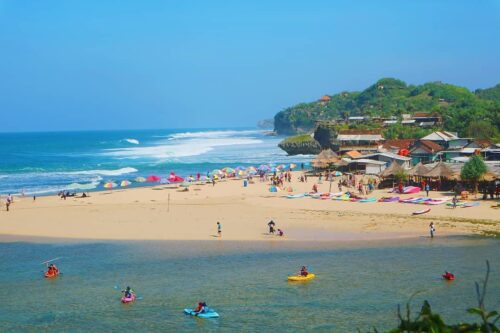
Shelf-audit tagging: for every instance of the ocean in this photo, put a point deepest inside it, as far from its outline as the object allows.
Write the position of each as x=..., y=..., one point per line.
x=45, y=163
x=358, y=285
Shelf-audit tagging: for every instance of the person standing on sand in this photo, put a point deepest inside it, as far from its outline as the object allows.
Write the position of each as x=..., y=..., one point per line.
x=271, y=225
x=219, y=229
x=432, y=229
x=427, y=188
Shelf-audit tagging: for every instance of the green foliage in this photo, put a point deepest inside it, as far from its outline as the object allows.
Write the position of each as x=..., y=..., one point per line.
x=298, y=138
x=473, y=170
x=391, y=97
x=429, y=322
x=398, y=131
x=492, y=94
x=481, y=129
x=401, y=175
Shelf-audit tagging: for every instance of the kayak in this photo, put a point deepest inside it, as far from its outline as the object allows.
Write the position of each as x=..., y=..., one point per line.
x=309, y=276
x=208, y=313
x=423, y=211
x=128, y=299
x=51, y=275
x=448, y=277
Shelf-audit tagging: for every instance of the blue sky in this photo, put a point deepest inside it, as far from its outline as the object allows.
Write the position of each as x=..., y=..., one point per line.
x=71, y=65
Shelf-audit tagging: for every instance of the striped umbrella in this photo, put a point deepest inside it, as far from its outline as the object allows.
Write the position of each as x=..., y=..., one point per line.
x=124, y=183
x=110, y=185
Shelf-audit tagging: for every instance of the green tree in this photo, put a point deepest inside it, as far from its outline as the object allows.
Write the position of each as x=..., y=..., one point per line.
x=473, y=170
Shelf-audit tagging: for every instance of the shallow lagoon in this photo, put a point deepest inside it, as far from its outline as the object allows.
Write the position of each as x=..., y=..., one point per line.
x=358, y=285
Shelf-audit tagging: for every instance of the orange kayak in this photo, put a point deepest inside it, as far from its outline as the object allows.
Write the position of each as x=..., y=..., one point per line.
x=51, y=275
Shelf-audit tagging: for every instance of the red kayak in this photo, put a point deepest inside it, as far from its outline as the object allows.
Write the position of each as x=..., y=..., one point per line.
x=50, y=275
x=449, y=277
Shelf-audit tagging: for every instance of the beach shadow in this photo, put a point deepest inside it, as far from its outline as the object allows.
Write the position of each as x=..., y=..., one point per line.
x=215, y=236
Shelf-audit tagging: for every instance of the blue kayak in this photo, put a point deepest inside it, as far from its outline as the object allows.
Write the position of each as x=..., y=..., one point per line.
x=208, y=313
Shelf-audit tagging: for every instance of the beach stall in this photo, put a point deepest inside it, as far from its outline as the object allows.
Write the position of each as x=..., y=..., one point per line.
x=444, y=177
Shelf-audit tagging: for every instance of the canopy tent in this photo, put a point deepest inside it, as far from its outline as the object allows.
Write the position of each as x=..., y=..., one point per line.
x=392, y=170
x=418, y=170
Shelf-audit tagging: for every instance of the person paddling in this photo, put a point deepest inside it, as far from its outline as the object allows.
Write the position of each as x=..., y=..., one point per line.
x=303, y=271
x=52, y=270
x=200, y=308
x=128, y=292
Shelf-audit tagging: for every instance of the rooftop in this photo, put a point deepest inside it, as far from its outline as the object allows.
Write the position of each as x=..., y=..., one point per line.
x=389, y=155
x=429, y=146
x=441, y=136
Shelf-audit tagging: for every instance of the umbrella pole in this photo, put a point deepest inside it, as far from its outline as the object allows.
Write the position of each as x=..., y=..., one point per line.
x=330, y=176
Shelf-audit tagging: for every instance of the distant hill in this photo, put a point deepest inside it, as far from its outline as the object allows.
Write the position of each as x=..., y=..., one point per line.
x=462, y=111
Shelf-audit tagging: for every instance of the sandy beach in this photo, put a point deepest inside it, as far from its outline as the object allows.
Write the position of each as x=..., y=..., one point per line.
x=146, y=214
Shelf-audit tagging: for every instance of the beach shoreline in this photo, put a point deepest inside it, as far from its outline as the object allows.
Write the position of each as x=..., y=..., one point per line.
x=166, y=213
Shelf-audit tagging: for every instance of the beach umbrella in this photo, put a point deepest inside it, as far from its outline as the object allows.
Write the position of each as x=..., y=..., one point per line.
x=216, y=172
x=140, y=179
x=241, y=167
x=109, y=185
x=337, y=173
x=264, y=167
x=228, y=170
x=293, y=166
x=153, y=178
x=124, y=183
x=281, y=167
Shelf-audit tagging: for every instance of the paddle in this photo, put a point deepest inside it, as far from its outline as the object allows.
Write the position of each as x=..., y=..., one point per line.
x=46, y=262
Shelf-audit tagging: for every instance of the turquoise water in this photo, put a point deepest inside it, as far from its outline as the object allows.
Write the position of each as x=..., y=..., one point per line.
x=357, y=285
x=43, y=163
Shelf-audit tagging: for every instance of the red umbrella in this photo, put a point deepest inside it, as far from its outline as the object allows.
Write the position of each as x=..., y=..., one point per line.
x=153, y=179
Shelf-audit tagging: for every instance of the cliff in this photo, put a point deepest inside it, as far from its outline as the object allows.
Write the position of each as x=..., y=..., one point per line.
x=301, y=144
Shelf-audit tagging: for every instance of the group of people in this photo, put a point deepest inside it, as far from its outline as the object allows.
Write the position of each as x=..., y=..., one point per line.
x=274, y=231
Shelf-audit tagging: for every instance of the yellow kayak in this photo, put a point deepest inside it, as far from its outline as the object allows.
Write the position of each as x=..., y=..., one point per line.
x=309, y=276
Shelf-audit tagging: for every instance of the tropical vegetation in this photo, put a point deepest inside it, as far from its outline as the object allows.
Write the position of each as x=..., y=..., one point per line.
x=468, y=113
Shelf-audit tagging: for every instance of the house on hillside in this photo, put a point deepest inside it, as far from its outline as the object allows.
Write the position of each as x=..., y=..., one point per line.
x=426, y=119
x=389, y=158
x=324, y=99
x=364, y=141
x=447, y=140
x=492, y=153
x=396, y=145
x=425, y=151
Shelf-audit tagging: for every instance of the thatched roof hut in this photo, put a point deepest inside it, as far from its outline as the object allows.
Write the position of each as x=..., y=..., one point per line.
x=441, y=170
x=325, y=159
x=393, y=169
x=418, y=170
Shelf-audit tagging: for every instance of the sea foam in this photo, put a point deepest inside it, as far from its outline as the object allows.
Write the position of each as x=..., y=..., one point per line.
x=132, y=141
